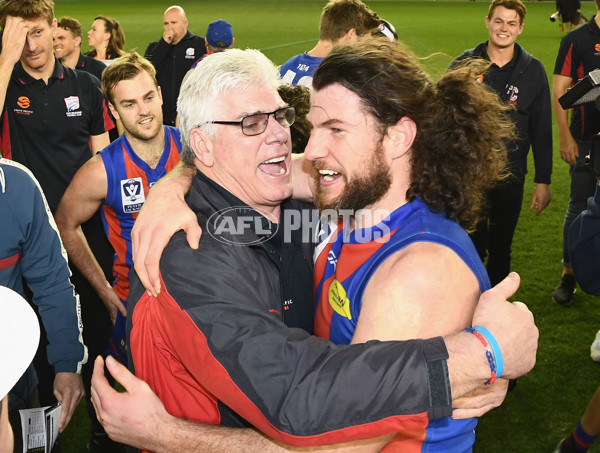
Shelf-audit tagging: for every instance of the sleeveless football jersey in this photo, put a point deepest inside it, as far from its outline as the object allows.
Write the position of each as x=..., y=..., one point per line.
x=344, y=264
x=129, y=180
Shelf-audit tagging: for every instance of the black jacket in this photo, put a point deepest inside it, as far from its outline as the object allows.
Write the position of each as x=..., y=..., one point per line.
x=172, y=63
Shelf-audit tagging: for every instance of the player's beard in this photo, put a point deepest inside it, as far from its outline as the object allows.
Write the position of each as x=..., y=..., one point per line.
x=361, y=191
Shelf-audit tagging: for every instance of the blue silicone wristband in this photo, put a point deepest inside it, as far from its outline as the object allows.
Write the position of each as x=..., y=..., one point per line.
x=495, y=348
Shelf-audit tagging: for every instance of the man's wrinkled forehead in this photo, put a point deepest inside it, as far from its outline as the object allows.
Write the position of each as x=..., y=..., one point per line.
x=335, y=104
x=242, y=100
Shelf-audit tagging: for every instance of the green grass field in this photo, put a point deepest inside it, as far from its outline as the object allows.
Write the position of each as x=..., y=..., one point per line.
x=549, y=401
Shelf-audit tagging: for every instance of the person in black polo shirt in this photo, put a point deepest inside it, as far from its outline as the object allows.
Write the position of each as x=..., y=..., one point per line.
x=53, y=119
x=520, y=80
x=172, y=56
x=67, y=48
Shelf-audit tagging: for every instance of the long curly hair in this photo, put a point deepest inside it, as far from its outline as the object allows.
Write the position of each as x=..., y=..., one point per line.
x=460, y=148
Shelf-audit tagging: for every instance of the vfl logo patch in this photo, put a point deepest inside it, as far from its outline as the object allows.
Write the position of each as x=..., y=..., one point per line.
x=23, y=102
x=190, y=52
x=339, y=300
x=132, y=194
x=72, y=103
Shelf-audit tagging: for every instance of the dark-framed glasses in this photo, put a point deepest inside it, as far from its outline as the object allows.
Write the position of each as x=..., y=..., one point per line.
x=256, y=123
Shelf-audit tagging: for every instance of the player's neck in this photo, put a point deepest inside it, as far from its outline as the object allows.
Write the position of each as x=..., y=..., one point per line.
x=70, y=61
x=500, y=55
x=394, y=198
x=44, y=73
x=151, y=150
x=322, y=49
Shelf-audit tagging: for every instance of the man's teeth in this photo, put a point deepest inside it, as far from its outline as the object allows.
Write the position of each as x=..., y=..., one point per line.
x=274, y=160
x=146, y=121
x=328, y=175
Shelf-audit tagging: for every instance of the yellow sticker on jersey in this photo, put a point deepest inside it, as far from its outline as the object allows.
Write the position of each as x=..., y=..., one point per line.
x=339, y=300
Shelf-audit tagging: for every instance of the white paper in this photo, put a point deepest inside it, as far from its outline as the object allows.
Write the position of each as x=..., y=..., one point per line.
x=40, y=428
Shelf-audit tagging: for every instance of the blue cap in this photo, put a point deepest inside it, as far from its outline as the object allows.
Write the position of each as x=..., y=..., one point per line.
x=219, y=34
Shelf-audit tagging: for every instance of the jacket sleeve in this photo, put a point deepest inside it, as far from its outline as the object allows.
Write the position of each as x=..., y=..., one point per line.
x=45, y=269
x=294, y=387
x=584, y=246
x=540, y=128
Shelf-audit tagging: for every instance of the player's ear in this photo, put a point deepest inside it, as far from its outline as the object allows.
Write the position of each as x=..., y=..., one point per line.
x=114, y=112
x=203, y=146
x=160, y=95
x=401, y=137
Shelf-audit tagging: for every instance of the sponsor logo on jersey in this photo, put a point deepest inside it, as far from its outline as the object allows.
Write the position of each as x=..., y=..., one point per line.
x=23, y=103
x=597, y=47
x=339, y=300
x=132, y=194
x=72, y=103
x=190, y=53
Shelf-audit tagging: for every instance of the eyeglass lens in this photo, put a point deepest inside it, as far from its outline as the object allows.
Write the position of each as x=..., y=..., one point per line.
x=256, y=124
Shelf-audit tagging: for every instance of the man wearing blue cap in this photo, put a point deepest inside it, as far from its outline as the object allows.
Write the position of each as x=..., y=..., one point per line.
x=219, y=37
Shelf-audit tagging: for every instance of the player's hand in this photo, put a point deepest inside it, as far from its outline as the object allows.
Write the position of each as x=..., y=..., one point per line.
x=13, y=39
x=569, y=151
x=541, y=198
x=112, y=303
x=511, y=324
x=68, y=390
x=132, y=417
x=480, y=400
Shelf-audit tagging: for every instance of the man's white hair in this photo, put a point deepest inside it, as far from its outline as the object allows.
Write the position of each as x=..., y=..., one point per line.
x=198, y=101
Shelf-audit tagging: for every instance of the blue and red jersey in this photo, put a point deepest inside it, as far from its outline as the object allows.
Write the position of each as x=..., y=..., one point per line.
x=129, y=180
x=347, y=260
x=299, y=70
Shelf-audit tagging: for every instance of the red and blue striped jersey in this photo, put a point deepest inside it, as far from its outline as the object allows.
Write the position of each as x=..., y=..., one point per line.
x=129, y=180
x=345, y=262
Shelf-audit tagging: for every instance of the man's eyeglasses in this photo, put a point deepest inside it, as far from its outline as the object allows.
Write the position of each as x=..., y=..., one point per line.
x=256, y=123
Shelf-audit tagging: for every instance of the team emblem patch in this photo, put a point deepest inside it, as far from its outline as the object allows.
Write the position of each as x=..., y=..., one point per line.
x=338, y=300
x=72, y=103
x=132, y=194
x=190, y=52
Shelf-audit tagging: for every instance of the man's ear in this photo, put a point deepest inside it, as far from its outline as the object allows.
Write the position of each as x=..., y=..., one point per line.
x=401, y=136
x=350, y=35
x=160, y=95
x=202, y=146
x=78, y=41
x=113, y=110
